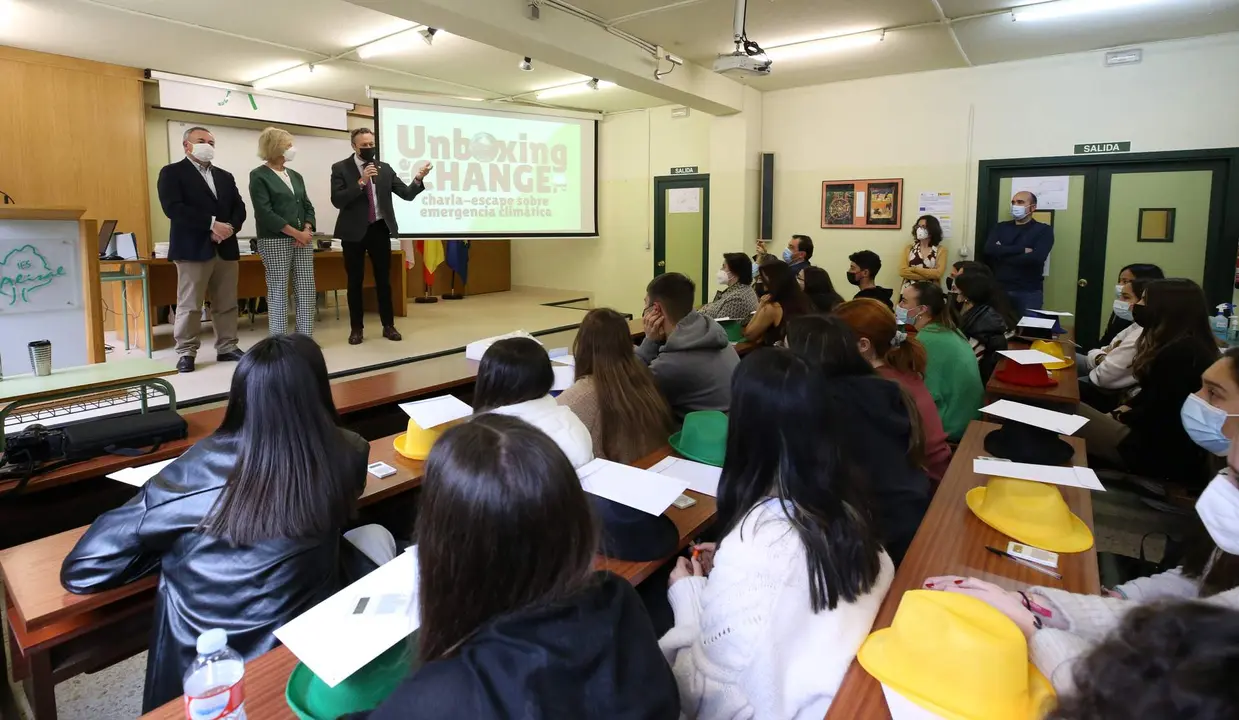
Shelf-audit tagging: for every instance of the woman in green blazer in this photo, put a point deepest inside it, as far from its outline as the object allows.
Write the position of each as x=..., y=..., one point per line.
x=951, y=373
x=285, y=219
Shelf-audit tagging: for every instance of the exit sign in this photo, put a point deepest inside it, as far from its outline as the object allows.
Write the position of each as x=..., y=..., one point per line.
x=686, y=170
x=1099, y=148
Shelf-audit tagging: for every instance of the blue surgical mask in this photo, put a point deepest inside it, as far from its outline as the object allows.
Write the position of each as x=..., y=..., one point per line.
x=1018, y=212
x=1118, y=290
x=901, y=314
x=1203, y=424
x=1122, y=310
x=787, y=255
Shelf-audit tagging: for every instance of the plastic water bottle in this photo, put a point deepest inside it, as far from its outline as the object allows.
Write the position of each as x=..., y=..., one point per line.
x=1220, y=322
x=1232, y=332
x=213, y=684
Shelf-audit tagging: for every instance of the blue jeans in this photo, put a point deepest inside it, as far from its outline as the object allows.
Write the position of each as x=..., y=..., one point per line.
x=1024, y=300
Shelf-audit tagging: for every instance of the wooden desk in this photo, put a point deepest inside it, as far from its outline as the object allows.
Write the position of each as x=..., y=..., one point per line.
x=951, y=541
x=267, y=675
x=1065, y=393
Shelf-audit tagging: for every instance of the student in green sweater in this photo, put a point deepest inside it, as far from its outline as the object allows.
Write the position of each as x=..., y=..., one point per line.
x=285, y=220
x=952, y=374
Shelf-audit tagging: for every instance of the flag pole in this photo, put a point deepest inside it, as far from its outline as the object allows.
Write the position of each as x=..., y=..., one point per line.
x=451, y=293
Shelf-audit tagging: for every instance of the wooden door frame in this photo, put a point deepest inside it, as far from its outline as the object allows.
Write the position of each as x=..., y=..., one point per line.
x=661, y=184
x=1223, y=233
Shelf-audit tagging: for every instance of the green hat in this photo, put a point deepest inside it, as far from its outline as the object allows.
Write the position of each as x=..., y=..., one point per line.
x=735, y=331
x=703, y=437
x=311, y=699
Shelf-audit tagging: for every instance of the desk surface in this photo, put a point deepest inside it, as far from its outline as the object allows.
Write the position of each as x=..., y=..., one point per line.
x=1067, y=392
x=82, y=377
x=951, y=541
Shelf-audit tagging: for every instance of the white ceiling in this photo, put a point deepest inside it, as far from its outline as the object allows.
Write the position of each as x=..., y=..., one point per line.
x=242, y=40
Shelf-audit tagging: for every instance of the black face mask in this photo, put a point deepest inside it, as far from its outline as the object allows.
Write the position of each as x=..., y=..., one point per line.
x=368, y=154
x=1140, y=315
x=852, y=278
x=950, y=283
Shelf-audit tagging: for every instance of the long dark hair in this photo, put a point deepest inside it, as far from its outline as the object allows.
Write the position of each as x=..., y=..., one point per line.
x=803, y=470
x=740, y=266
x=983, y=289
x=933, y=297
x=781, y=286
x=820, y=289
x=1177, y=312
x=632, y=413
x=513, y=370
x=503, y=525
x=1145, y=271
x=290, y=478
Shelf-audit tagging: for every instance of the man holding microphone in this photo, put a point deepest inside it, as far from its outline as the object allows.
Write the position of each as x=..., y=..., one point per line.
x=361, y=188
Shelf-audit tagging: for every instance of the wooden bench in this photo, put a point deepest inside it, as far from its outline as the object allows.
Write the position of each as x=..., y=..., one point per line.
x=952, y=541
x=266, y=675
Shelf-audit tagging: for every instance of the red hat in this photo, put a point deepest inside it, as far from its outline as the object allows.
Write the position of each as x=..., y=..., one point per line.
x=1027, y=375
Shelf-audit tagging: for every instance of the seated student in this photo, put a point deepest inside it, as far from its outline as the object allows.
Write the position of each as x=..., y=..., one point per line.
x=962, y=266
x=515, y=378
x=1109, y=368
x=926, y=258
x=951, y=371
x=783, y=301
x=901, y=358
x=1145, y=436
x=737, y=300
x=614, y=394
x=1074, y=623
x=244, y=528
x=688, y=353
x=882, y=437
x=1175, y=660
x=515, y=623
x=979, y=321
x=863, y=272
x=821, y=291
x=1117, y=323
x=798, y=253
x=768, y=621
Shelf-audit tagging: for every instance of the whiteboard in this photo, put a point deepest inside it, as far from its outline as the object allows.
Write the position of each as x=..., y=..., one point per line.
x=41, y=293
x=236, y=150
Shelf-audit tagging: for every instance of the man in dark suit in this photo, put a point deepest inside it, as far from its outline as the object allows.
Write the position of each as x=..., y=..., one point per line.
x=361, y=188
x=206, y=211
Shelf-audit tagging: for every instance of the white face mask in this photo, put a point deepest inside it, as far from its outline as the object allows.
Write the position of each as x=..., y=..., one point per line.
x=1122, y=310
x=1118, y=291
x=722, y=278
x=1018, y=212
x=203, y=152
x=1218, y=508
x=922, y=234
x=290, y=153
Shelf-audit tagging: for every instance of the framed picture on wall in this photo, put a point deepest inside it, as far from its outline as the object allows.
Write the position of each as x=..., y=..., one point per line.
x=862, y=204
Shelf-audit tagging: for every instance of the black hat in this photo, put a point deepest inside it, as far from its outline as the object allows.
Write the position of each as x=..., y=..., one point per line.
x=1018, y=442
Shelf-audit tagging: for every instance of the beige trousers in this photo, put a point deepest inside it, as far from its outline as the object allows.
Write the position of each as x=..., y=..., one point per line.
x=1102, y=435
x=215, y=279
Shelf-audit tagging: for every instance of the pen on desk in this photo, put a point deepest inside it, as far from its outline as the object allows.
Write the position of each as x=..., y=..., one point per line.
x=1025, y=563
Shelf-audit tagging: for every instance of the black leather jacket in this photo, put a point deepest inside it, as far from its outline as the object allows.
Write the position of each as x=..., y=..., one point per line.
x=986, y=330
x=206, y=582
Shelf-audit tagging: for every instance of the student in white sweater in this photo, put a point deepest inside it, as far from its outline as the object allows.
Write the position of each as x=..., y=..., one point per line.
x=515, y=378
x=1109, y=367
x=768, y=621
x=1062, y=627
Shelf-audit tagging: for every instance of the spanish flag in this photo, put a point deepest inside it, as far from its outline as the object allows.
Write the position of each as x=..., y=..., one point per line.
x=432, y=258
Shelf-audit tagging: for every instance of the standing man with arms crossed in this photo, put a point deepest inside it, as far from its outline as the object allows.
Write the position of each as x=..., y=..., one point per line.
x=206, y=211
x=361, y=188
x=1017, y=250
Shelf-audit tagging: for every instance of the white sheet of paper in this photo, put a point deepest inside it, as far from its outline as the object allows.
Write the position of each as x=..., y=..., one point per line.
x=568, y=360
x=933, y=203
x=1036, y=322
x=684, y=200
x=476, y=349
x=138, y=476
x=436, y=411
x=1063, y=423
x=1054, y=313
x=1030, y=357
x=859, y=202
x=640, y=489
x=944, y=221
x=564, y=376
x=335, y=643
x=700, y=477
x=1052, y=192
x=1080, y=477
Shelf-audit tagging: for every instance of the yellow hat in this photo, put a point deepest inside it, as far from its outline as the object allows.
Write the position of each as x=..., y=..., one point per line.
x=958, y=658
x=1049, y=347
x=415, y=442
x=1031, y=512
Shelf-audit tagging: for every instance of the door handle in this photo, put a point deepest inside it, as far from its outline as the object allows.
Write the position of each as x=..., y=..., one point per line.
x=1082, y=282
x=662, y=263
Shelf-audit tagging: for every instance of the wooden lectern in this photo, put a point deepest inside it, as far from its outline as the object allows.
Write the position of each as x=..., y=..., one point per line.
x=49, y=286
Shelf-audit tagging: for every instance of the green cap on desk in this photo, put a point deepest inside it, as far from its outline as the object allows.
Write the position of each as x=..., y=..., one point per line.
x=735, y=331
x=703, y=437
x=366, y=689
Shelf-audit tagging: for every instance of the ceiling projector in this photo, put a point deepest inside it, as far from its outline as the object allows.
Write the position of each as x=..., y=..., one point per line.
x=748, y=58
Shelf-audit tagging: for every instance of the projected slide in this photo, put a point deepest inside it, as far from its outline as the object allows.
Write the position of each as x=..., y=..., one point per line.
x=496, y=173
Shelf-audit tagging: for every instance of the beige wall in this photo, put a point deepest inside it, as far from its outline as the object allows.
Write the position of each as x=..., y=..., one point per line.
x=932, y=129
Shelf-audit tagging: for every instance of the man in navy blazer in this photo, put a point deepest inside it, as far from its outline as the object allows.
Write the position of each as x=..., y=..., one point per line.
x=361, y=188
x=206, y=211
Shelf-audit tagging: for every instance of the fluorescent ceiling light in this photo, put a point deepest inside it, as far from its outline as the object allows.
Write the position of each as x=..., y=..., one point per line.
x=1070, y=8
x=291, y=75
x=574, y=89
x=399, y=41
x=824, y=46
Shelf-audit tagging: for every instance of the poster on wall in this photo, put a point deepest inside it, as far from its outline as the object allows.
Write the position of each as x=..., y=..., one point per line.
x=941, y=205
x=862, y=203
x=839, y=201
x=1051, y=192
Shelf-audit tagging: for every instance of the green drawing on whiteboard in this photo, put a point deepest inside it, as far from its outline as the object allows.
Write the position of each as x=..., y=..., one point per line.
x=23, y=271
